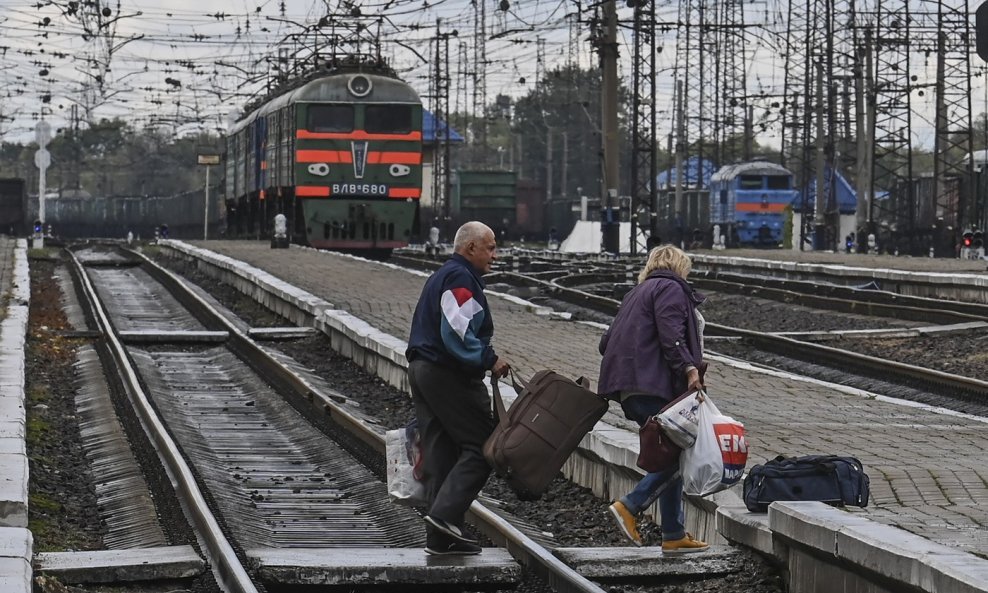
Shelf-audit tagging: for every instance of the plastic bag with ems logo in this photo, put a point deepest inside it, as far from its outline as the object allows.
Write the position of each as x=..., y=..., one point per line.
x=716, y=461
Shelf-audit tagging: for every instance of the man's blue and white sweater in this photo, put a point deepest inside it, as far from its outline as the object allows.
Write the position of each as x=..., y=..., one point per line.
x=452, y=325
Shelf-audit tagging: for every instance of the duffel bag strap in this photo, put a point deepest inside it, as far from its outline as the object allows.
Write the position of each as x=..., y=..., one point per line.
x=516, y=381
x=499, y=411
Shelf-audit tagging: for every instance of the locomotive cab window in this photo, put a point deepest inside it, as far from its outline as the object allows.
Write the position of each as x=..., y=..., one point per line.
x=330, y=118
x=778, y=182
x=750, y=182
x=388, y=119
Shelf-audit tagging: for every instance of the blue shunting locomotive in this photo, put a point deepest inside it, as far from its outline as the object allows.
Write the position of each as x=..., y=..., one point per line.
x=748, y=200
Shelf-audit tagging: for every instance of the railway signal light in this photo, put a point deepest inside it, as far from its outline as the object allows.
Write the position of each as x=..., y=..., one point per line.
x=967, y=239
x=979, y=240
x=37, y=227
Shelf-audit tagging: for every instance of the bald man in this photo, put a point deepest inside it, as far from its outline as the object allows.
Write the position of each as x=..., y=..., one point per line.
x=449, y=352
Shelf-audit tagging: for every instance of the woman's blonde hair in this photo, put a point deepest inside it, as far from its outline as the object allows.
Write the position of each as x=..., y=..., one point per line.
x=666, y=257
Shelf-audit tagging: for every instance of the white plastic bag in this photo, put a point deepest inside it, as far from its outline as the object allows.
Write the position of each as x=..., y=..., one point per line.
x=404, y=453
x=716, y=461
x=679, y=419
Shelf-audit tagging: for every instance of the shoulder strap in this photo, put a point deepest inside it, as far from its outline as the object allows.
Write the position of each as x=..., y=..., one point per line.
x=499, y=411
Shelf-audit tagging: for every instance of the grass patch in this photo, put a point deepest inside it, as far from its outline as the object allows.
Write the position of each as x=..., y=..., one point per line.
x=46, y=253
x=37, y=429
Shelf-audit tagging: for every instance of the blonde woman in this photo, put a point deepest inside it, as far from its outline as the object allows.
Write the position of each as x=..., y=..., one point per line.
x=652, y=353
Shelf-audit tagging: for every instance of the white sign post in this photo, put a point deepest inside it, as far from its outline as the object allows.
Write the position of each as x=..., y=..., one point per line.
x=42, y=160
x=207, y=159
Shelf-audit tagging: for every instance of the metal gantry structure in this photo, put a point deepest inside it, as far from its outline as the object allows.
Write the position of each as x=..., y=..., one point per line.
x=643, y=136
x=851, y=102
x=919, y=212
x=439, y=87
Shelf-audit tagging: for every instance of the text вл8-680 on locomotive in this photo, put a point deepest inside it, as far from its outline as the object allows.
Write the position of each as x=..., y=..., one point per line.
x=339, y=155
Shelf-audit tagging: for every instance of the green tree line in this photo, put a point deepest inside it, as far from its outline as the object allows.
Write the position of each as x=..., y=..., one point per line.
x=111, y=158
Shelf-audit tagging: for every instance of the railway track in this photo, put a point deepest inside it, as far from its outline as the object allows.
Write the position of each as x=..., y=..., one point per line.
x=564, y=284
x=267, y=493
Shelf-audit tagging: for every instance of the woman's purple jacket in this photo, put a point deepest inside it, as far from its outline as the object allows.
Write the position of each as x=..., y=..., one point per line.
x=653, y=339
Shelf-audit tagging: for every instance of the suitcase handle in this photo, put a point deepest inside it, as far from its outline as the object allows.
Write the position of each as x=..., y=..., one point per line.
x=519, y=383
x=516, y=381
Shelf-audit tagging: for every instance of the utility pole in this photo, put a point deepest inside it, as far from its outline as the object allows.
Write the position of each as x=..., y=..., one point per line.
x=680, y=153
x=863, y=87
x=820, y=210
x=866, y=175
x=610, y=223
x=548, y=164
x=562, y=182
x=480, y=74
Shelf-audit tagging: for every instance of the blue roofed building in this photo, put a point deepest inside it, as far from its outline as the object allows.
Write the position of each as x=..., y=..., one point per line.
x=845, y=198
x=696, y=174
x=433, y=129
x=845, y=194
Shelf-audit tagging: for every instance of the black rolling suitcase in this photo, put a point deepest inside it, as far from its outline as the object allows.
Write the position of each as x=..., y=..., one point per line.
x=831, y=479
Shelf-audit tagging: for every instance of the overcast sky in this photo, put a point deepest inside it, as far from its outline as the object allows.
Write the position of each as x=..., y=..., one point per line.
x=186, y=65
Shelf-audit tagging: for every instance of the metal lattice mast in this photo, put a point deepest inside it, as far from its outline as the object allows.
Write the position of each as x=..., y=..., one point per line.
x=808, y=121
x=732, y=73
x=643, y=166
x=892, y=148
x=846, y=72
x=691, y=61
x=953, y=152
x=439, y=92
x=797, y=48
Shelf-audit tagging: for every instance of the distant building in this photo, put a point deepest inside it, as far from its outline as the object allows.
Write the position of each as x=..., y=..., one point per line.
x=433, y=135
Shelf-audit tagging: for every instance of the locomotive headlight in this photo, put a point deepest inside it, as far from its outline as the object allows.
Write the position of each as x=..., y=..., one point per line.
x=359, y=85
x=399, y=170
x=320, y=169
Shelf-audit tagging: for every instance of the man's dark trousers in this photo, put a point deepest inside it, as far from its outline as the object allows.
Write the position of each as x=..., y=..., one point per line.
x=454, y=416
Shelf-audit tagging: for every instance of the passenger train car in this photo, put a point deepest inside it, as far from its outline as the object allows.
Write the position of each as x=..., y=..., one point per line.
x=748, y=200
x=339, y=155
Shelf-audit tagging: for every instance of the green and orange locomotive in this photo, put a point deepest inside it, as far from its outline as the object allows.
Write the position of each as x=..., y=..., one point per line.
x=340, y=155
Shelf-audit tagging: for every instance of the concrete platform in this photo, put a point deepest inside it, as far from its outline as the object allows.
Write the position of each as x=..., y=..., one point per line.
x=902, y=445
x=121, y=566
x=15, y=278
x=15, y=560
x=362, y=567
x=16, y=541
x=962, y=280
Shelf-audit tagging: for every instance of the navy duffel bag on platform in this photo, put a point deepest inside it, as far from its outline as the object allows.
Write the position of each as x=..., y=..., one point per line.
x=831, y=479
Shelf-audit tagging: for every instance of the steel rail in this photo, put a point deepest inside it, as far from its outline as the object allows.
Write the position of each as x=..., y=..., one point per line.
x=848, y=300
x=226, y=566
x=879, y=368
x=960, y=308
x=529, y=553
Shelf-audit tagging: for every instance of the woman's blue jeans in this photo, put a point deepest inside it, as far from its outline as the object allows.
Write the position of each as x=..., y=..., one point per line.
x=665, y=486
